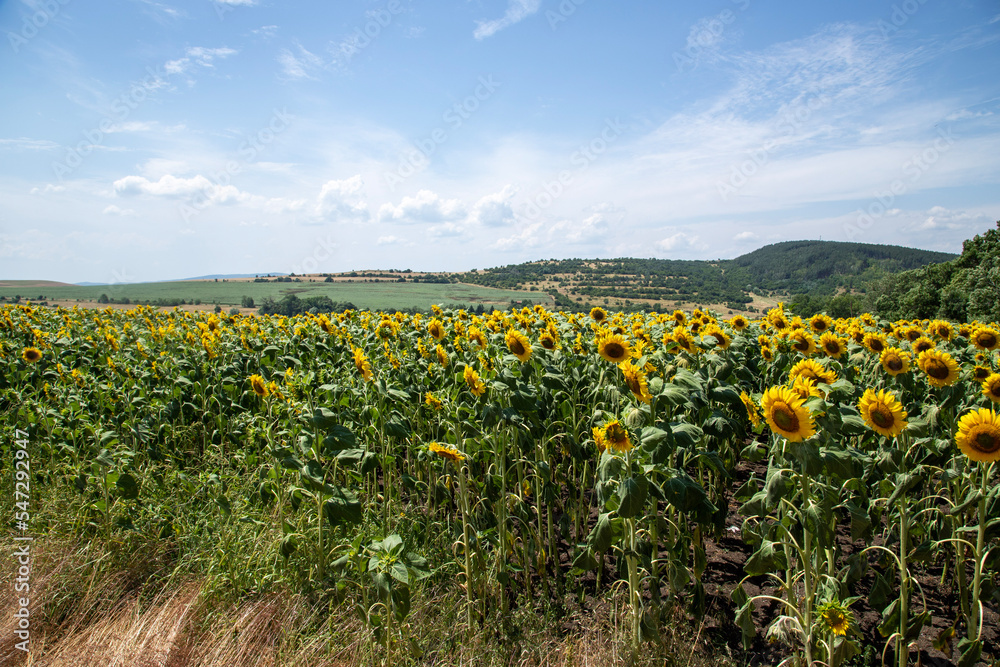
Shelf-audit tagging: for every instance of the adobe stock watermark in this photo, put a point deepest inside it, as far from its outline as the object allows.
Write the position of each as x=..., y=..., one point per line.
x=247, y=151
x=789, y=123
x=416, y=160
x=913, y=169
x=565, y=9
x=22, y=552
x=581, y=159
x=30, y=25
x=121, y=108
x=362, y=36
x=323, y=251
x=900, y=16
x=708, y=34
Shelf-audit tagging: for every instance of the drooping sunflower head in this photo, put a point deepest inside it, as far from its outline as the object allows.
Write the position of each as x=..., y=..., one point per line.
x=986, y=338
x=616, y=437
x=979, y=435
x=882, y=412
x=31, y=354
x=836, y=617
x=475, y=335
x=923, y=344
x=436, y=329
x=766, y=353
x=518, y=344
x=613, y=347
x=449, y=452
x=259, y=385
x=895, y=361
x=472, y=379
x=786, y=414
x=832, y=345
x=751, y=407
x=442, y=356
x=547, y=340
x=940, y=368
x=432, y=401
x=635, y=378
x=684, y=339
x=598, y=314
x=362, y=364
x=991, y=387
x=814, y=370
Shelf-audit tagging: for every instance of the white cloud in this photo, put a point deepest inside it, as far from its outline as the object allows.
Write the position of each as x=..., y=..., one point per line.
x=517, y=10
x=680, y=242
x=746, y=236
x=197, y=56
x=114, y=210
x=299, y=66
x=526, y=238
x=343, y=201
x=389, y=240
x=495, y=210
x=48, y=189
x=24, y=143
x=425, y=207
x=244, y=3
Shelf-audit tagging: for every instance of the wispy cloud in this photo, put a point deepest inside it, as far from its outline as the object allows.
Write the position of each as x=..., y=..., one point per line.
x=197, y=56
x=300, y=65
x=517, y=10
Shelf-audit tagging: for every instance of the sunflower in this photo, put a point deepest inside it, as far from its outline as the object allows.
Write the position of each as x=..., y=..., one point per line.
x=475, y=335
x=31, y=354
x=766, y=353
x=433, y=401
x=721, y=339
x=616, y=437
x=980, y=373
x=923, y=344
x=436, y=329
x=803, y=342
x=598, y=314
x=776, y=316
x=613, y=347
x=820, y=323
x=986, y=338
x=547, y=340
x=979, y=435
x=679, y=317
x=751, y=407
x=836, y=617
x=739, y=323
x=882, y=412
x=941, y=329
x=599, y=440
x=991, y=387
x=476, y=385
x=635, y=378
x=874, y=342
x=442, y=356
x=446, y=452
x=912, y=333
x=805, y=387
x=940, y=368
x=895, y=361
x=684, y=340
x=814, y=370
x=518, y=344
x=832, y=345
x=362, y=364
x=259, y=385
x=786, y=414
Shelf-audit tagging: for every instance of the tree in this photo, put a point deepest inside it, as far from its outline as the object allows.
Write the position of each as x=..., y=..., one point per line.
x=247, y=302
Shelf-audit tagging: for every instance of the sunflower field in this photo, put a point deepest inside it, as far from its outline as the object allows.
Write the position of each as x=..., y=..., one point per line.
x=532, y=455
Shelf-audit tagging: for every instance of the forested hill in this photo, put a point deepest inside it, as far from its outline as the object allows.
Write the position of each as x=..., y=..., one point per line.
x=805, y=269
x=823, y=266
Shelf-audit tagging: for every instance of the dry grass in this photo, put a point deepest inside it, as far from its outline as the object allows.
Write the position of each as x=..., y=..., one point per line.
x=90, y=609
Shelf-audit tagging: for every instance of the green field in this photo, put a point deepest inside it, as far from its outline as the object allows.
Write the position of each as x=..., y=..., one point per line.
x=374, y=295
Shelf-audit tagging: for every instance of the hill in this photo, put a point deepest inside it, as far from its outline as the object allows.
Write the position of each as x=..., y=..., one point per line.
x=805, y=272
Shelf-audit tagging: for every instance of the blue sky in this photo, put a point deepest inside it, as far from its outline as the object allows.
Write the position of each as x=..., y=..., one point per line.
x=158, y=139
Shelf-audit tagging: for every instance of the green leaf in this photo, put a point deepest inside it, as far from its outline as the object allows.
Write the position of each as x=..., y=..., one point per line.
x=343, y=507
x=127, y=486
x=770, y=557
x=104, y=459
x=633, y=493
x=604, y=533
x=323, y=419
x=339, y=437
x=585, y=561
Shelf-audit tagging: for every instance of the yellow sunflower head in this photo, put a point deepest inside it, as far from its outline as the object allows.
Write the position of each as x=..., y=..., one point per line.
x=518, y=344
x=814, y=370
x=547, y=340
x=874, y=342
x=436, y=329
x=31, y=354
x=940, y=368
x=475, y=334
x=766, y=353
x=786, y=414
x=598, y=433
x=679, y=317
x=805, y=387
x=991, y=387
x=979, y=435
x=739, y=323
x=980, y=373
x=832, y=345
x=882, y=412
x=616, y=437
x=259, y=385
x=362, y=364
x=720, y=337
x=476, y=385
x=598, y=314
x=820, y=323
x=895, y=361
x=923, y=344
x=986, y=338
x=751, y=407
x=613, y=347
x=442, y=356
x=836, y=617
x=635, y=378
x=433, y=401
x=448, y=452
